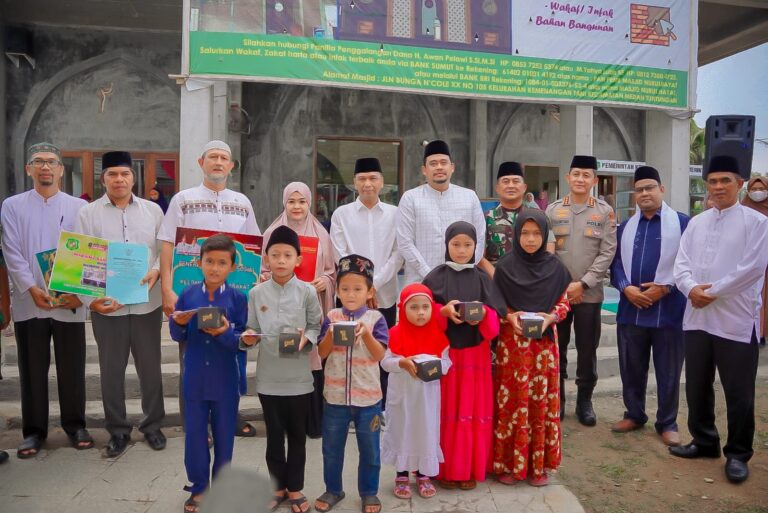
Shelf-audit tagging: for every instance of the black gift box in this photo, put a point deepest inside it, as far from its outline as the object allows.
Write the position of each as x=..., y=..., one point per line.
x=470, y=311
x=532, y=326
x=429, y=370
x=344, y=334
x=288, y=343
x=209, y=317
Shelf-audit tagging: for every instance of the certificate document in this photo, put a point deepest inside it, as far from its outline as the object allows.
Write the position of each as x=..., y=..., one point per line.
x=127, y=264
x=80, y=265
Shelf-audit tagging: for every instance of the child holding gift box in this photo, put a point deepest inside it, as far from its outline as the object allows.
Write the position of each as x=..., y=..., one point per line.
x=527, y=425
x=211, y=371
x=284, y=381
x=467, y=391
x=352, y=384
x=411, y=442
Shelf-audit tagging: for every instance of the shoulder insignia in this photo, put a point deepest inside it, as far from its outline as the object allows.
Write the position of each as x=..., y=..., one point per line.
x=591, y=202
x=566, y=201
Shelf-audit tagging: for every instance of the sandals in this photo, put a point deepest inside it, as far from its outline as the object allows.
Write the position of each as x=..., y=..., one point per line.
x=370, y=500
x=330, y=500
x=448, y=485
x=507, y=479
x=29, y=447
x=402, y=488
x=296, y=504
x=245, y=430
x=468, y=485
x=81, y=439
x=542, y=480
x=192, y=505
x=278, y=500
x=426, y=488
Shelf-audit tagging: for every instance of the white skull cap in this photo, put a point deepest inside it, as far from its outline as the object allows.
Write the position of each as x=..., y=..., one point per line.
x=216, y=145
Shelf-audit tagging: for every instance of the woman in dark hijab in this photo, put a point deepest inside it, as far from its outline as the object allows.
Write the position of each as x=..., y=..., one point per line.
x=467, y=391
x=527, y=422
x=157, y=196
x=757, y=199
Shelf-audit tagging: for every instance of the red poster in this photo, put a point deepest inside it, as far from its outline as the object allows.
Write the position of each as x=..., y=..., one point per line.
x=306, y=271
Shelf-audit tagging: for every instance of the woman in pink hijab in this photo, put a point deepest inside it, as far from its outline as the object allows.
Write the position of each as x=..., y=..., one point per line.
x=297, y=201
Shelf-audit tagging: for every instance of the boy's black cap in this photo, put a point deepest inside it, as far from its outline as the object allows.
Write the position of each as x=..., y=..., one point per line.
x=284, y=235
x=355, y=264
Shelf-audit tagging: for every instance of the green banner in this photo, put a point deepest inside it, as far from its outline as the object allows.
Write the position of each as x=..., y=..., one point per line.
x=293, y=59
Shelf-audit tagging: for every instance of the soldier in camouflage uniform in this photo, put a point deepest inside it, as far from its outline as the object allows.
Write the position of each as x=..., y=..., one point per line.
x=500, y=221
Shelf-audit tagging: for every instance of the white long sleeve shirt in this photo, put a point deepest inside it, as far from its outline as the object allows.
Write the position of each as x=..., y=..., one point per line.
x=32, y=224
x=205, y=209
x=423, y=216
x=137, y=224
x=728, y=249
x=370, y=232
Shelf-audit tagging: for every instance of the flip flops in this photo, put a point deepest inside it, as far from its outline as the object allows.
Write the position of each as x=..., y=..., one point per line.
x=81, y=439
x=330, y=499
x=29, y=447
x=370, y=500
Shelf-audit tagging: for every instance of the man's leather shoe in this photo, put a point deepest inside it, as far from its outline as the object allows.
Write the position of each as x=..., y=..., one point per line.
x=692, y=450
x=670, y=438
x=156, y=440
x=116, y=445
x=3, y=457
x=736, y=471
x=625, y=426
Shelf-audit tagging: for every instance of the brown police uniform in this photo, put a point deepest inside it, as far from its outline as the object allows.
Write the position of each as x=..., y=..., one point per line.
x=586, y=243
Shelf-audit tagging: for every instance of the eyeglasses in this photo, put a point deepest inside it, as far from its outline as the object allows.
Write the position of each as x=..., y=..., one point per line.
x=647, y=188
x=42, y=163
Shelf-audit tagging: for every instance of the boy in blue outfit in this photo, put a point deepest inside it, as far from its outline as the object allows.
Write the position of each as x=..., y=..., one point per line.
x=211, y=371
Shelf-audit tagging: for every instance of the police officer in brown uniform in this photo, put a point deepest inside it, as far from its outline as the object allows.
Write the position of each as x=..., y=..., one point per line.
x=585, y=232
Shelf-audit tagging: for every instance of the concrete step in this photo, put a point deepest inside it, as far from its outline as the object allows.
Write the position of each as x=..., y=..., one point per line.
x=10, y=412
x=10, y=387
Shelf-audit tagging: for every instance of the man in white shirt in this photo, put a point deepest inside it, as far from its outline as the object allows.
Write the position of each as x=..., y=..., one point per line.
x=426, y=212
x=367, y=227
x=720, y=267
x=120, y=330
x=209, y=206
x=31, y=223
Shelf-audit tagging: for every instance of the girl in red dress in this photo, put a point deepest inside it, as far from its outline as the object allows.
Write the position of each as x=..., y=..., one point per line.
x=466, y=415
x=527, y=434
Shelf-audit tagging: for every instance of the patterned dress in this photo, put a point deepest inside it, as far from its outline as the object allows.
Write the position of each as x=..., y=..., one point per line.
x=527, y=434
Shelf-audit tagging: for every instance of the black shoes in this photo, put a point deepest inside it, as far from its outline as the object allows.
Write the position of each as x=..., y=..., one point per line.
x=116, y=446
x=584, y=411
x=736, y=471
x=3, y=457
x=156, y=440
x=692, y=450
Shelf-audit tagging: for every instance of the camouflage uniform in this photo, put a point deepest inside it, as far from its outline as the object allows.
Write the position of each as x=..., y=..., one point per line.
x=500, y=228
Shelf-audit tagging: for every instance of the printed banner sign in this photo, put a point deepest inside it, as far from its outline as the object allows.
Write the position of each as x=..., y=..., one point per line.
x=186, y=255
x=602, y=51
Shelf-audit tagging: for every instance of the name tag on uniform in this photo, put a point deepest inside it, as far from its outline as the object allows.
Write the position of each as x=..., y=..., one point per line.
x=594, y=233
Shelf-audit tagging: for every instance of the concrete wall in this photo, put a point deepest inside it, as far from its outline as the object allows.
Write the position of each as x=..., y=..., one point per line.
x=59, y=100
x=287, y=119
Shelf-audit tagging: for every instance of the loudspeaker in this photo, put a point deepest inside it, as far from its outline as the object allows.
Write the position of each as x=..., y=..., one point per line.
x=732, y=136
x=18, y=40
